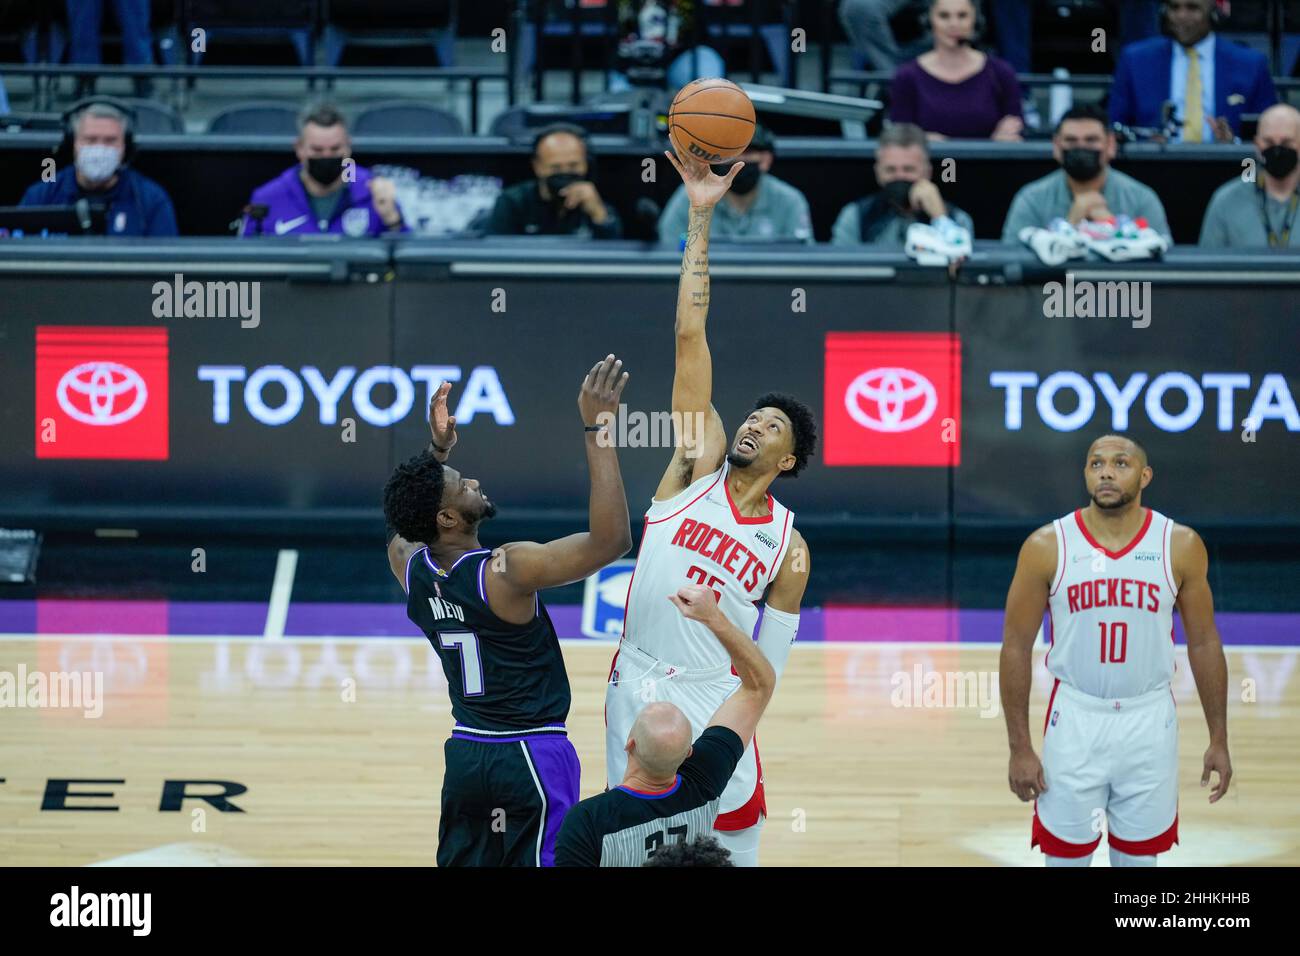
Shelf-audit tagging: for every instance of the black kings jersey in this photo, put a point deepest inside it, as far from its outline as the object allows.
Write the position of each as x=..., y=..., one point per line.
x=500, y=676
x=623, y=827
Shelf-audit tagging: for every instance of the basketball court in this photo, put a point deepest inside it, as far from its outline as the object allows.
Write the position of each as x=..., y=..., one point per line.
x=323, y=722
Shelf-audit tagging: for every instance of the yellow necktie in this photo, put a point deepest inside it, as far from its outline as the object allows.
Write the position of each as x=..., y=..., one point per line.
x=1193, y=112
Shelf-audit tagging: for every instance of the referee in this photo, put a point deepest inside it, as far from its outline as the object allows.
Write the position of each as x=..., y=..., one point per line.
x=671, y=790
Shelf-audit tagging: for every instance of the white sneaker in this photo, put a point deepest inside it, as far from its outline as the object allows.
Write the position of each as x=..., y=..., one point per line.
x=929, y=246
x=1129, y=240
x=1056, y=244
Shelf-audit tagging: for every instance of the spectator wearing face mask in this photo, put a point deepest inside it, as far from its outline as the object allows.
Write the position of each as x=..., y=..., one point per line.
x=562, y=200
x=758, y=206
x=135, y=204
x=1085, y=187
x=906, y=195
x=1243, y=214
x=326, y=191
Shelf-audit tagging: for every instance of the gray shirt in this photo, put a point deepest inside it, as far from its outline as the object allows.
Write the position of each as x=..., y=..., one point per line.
x=779, y=212
x=1039, y=202
x=1233, y=217
x=848, y=228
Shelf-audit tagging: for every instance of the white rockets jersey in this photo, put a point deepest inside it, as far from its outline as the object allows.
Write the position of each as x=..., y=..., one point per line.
x=698, y=537
x=1112, y=612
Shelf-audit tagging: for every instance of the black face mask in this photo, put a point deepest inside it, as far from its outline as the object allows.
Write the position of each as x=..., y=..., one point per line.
x=325, y=169
x=558, y=181
x=1081, y=165
x=745, y=180
x=898, y=193
x=1280, y=161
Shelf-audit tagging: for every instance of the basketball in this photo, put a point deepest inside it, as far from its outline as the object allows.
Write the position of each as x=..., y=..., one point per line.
x=711, y=120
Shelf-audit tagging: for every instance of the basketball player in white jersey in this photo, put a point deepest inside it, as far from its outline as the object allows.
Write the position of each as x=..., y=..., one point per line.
x=1110, y=576
x=713, y=522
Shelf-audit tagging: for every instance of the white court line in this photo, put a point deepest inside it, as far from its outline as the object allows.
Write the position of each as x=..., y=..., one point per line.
x=807, y=647
x=286, y=566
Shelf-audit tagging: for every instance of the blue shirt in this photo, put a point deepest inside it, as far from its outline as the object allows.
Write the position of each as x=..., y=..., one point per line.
x=137, y=206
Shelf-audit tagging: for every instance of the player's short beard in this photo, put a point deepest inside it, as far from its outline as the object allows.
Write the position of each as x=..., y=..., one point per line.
x=1124, y=498
x=737, y=462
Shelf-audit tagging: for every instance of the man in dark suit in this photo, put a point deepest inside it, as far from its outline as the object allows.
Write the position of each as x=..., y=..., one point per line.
x=1219, y=78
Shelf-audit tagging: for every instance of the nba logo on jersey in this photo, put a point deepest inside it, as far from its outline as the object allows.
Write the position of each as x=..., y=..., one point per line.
x=604, y=600
x=1055, y=715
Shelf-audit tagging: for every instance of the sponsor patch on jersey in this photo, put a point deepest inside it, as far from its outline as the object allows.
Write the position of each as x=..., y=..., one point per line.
x=1146, y=555
x=765, y=539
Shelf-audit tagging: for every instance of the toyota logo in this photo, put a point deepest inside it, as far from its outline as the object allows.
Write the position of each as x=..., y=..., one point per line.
x=101, y=393
x=900, y=399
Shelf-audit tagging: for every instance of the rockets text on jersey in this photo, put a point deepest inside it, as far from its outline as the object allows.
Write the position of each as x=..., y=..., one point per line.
x=699, y=537
x=1112, y=611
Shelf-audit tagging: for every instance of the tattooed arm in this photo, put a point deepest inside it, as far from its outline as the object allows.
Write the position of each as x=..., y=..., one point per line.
x=701, y=440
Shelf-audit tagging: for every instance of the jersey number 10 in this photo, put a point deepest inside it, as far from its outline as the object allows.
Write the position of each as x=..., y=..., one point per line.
x=1116, y=650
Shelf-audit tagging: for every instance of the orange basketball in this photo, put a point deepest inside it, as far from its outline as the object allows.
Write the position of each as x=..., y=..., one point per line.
x=711, y=120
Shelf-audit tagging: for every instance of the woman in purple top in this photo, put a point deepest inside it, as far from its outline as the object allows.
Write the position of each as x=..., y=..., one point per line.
x=956, y=91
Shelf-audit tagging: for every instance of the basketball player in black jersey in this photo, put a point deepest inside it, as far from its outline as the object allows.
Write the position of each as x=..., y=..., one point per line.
x=511, y=772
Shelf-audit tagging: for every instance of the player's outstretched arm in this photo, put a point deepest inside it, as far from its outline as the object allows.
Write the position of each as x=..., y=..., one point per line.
x=780, y=625
x=1026, y=599
x=701, y=439
x=741, y=711
x=1204, y=650
x=525, y=567
x=442, y=437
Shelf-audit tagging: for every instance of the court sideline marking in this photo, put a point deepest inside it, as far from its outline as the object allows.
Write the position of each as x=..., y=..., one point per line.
x=277, y=612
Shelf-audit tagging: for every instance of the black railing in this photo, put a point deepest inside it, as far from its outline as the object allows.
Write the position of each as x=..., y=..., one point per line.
x=45, y=77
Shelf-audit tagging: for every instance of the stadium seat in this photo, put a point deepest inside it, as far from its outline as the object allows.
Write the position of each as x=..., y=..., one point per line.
x=154, y=117
x=393, y=23
x=254, y=20
x=511, y=123
x=256, y=118
x=407, y=119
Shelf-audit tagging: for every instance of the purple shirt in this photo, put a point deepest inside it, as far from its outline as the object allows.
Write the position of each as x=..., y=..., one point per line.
x=970, y=109
x=289, y=211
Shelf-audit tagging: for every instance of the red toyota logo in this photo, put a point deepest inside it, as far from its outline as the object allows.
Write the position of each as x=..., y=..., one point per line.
x=893, y=398
x=101, y=392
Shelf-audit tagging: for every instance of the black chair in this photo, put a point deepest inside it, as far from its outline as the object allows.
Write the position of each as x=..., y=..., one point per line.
x=511, y=123
x=154, y=117
x=407, y=119
x=253, y=20
x=392, y=23
x=267, y=119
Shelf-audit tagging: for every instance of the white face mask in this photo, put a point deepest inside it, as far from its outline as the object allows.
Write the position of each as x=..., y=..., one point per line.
x=98, y=163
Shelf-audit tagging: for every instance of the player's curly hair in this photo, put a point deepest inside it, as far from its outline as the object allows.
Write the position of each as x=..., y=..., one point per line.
x=702, y=851
x=805, y=427
x=412, y=497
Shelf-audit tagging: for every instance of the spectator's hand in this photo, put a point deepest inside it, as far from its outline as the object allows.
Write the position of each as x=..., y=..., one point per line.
x=1009, y=129
x=1089, y=205
x=1222, y=131
x=703, y=186
x=384, y=196
x=924, y=195
x=583, y=194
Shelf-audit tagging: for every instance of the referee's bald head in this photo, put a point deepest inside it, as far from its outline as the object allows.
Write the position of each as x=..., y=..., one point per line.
x=660, y=739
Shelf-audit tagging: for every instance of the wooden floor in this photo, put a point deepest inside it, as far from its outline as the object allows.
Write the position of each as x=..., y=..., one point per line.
x=340, y=746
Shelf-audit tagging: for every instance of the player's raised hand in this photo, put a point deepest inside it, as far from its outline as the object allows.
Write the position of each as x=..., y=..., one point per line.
x=1217, y=761
x=696, y=602
x=704, y=187
x=1026, y=775
x=601, y=390
x=442, y=426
